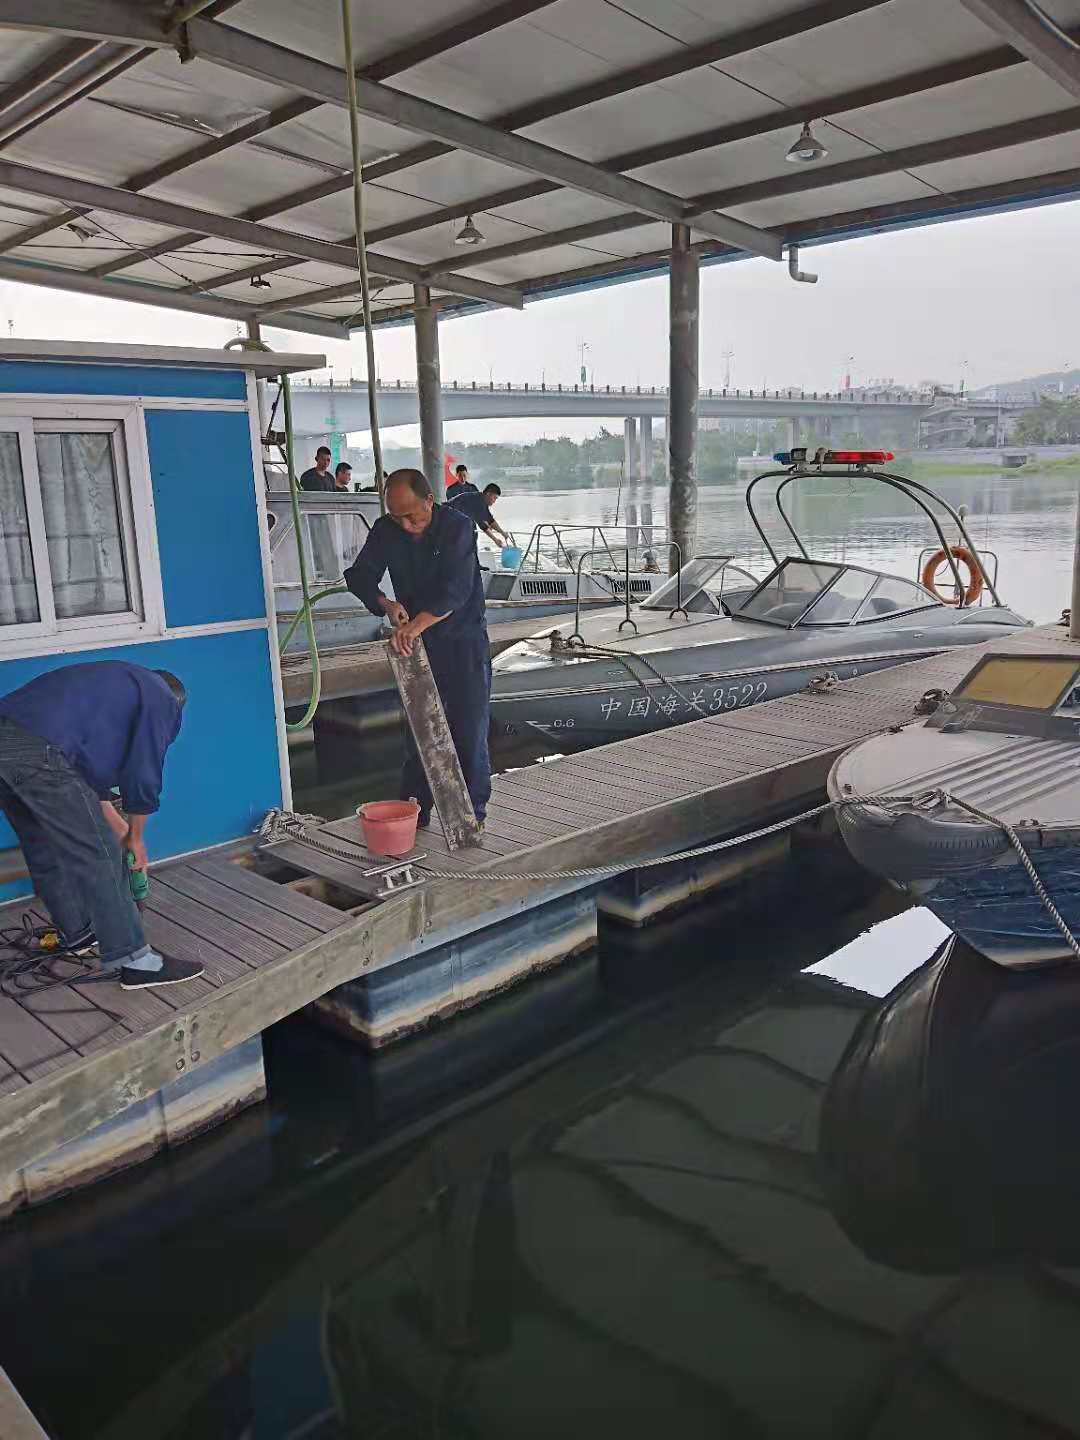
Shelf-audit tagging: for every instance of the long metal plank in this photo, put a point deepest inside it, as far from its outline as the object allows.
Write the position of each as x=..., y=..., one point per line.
x=276, y=897
x=252, y=914
x=234, y=939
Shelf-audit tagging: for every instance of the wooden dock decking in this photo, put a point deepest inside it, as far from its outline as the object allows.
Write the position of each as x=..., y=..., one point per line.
x=67, y=1063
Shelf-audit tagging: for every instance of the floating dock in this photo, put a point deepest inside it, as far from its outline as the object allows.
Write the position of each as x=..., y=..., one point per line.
x=113, y=1076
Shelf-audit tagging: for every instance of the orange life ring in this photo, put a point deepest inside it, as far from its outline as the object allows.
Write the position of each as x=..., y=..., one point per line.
x=963, y=556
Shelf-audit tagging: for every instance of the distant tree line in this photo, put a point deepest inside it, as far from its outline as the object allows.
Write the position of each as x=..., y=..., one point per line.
x=1055, y=420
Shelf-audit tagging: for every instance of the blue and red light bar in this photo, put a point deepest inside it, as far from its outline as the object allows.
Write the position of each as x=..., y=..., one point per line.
x=799, y=456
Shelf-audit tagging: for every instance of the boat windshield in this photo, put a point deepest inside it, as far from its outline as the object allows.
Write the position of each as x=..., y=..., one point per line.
x=682, y=588
x=814, y=592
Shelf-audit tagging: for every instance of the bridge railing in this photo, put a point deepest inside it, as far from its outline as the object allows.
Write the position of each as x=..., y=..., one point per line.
x=832, y=397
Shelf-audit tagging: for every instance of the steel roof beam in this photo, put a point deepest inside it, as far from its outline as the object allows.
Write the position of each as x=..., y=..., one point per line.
x=250, y=55
x=437, y=43
x=860, y=97
x=1038, y=38
x=55, y=277
x=260, y=59
x=1020, y=132
x=93, y=196
x=1058, y=185
x=625, y=81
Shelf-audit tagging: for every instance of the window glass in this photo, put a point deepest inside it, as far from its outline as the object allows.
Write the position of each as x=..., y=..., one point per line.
x=18, y=590
x=890, y=595
x=695, y=575
x=788, y=592
x=842, y=599
x=82, y=523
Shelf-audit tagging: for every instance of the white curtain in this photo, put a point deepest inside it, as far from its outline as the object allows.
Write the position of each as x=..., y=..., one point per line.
x=18, y=592
x=82, y=523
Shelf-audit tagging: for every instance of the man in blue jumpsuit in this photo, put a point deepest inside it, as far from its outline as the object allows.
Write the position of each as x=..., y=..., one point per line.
x=430, y=551
x=67, y=739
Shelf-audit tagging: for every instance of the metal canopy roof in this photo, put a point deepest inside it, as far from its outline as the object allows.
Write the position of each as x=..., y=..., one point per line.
x=174, y=165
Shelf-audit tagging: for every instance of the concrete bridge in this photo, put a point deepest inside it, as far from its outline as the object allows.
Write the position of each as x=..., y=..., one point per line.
x=318, y=409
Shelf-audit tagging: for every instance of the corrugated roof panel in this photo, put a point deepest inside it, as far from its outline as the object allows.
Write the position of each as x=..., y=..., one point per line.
x=959, y=109
x=649, y=117
x=853, y=195
x=746, y=162
x=314, y=27
x=83, y=141
x=1041, y=157
x=876, y=45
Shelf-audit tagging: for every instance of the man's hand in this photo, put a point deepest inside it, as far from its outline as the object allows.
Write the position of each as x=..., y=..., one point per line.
x=115, y=821
x=395, y=613
x=137, y=846
x=405, y=636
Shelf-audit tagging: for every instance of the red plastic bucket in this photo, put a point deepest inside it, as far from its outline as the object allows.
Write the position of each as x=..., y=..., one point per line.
x=389, y=825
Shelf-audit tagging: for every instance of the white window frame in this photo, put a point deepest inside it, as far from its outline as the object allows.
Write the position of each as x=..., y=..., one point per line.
x=25, y=415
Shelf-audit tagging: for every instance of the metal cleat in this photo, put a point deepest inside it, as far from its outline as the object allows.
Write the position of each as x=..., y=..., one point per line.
x=397, y=876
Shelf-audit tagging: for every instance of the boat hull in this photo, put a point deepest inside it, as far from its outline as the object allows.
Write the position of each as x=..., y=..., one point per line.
x=972, y=879
x=577, y=719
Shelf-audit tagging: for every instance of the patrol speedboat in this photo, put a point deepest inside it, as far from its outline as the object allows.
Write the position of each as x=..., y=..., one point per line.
x=1003, y=747
x=714, y=639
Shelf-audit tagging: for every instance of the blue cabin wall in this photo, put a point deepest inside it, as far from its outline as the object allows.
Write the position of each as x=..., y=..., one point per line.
x=224, y=771
x=207, y=520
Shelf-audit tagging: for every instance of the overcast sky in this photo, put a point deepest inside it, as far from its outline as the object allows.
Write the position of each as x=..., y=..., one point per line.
x=995, y=298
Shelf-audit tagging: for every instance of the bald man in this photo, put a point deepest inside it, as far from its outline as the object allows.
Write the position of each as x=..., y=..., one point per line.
x=430, y=552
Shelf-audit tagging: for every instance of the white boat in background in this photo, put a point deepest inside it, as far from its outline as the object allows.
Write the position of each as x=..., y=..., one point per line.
x=589, y=560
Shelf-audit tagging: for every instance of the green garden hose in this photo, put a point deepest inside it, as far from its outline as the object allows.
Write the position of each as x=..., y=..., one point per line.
x=306, y=603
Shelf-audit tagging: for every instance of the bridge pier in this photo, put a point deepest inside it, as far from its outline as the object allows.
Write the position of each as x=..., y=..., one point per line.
x=684, y=309
x=645, y=450
x=429, y=389
x=630, y=450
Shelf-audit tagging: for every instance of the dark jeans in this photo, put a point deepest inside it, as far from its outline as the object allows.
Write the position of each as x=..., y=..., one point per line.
x=74, y=859
x=461, y=666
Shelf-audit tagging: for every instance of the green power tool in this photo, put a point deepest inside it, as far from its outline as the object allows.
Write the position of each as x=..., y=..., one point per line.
x=139, y=881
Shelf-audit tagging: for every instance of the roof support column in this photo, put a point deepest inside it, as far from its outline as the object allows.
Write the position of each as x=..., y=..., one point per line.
x=429, y=389
x=684, y=309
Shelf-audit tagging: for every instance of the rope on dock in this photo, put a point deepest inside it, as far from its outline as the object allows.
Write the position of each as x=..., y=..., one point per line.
x=280, y=825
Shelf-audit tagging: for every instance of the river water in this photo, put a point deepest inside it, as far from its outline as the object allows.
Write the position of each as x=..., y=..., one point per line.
x=717, y=1178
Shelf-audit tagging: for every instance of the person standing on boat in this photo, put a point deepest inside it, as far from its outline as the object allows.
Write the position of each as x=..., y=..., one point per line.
x=462, y=485
x=430, y=552
x=343, y=475
x=318, y=477
x=478, y=508
x=67, y=739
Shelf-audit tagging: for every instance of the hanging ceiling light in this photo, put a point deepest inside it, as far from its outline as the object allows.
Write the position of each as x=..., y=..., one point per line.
x=257, y=282
x=807, y=147
x=468, y=234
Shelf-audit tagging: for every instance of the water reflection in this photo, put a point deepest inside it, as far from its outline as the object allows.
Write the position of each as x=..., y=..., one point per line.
x=948, y=1133
x=1028, y=520
x=606, y=1209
